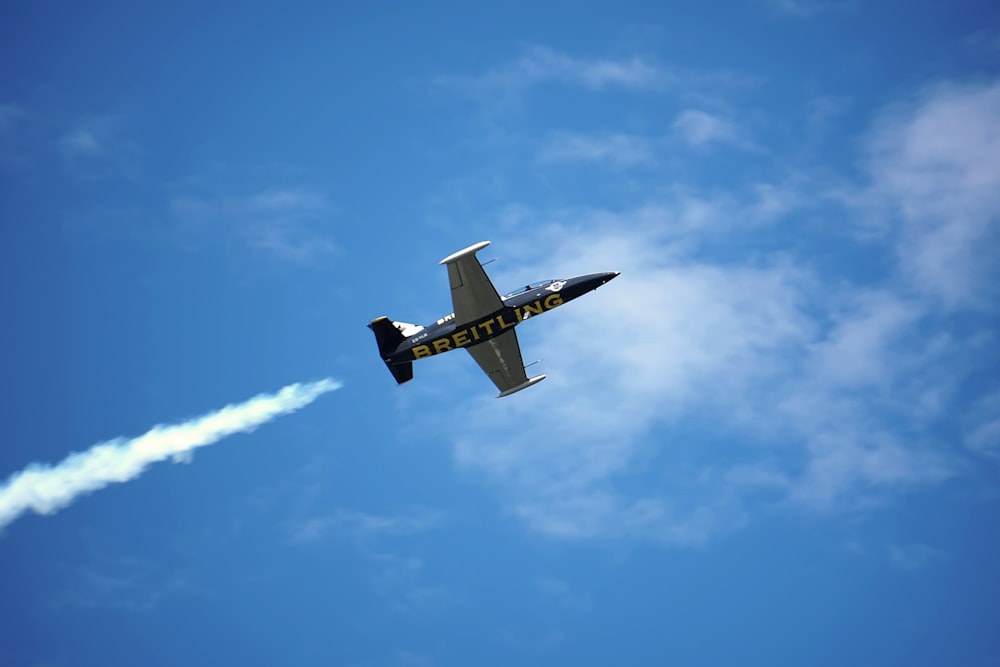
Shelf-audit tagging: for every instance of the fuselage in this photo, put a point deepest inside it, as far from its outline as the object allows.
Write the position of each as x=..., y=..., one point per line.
x=446, y=334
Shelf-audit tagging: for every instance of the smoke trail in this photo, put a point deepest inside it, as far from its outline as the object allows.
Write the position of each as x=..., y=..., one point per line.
x=46, y=488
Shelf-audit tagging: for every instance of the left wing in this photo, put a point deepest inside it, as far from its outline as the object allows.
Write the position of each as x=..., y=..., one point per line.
x=472, y=293
x=500, y=358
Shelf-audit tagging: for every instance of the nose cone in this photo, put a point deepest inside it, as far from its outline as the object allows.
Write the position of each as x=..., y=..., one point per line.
x=595, y=280
x=580, y=285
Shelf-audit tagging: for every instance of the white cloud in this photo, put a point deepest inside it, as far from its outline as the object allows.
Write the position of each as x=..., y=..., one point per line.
x=357, y=526
x=615, y=149
x=540, y=64
x=396, y=577
x=90, y=148
x=937, y=162
x=285, y=224
x=985, y=41
x=82, y=143
x=125, y=583
x=983, y=426
x=97, y=147
x=912, y=557
x=503, y=87
x=558, y=591
x=590, y=513
x=699, y=128
x=401, y=658
x=774, y=201
x=848, y=467
x=10, y=115
x=858, y=349
x=808, y=8
x=293, y=199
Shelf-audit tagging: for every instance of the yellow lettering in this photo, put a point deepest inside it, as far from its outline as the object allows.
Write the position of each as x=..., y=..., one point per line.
x=553, y=300
x=421, y=351
x=475, y=332
x=503, y=324
x=488, y=326
x=461, y=338
x=533, y=308
x=441, y=345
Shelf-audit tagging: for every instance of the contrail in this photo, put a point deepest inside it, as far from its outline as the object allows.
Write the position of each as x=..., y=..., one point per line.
x=46, y=488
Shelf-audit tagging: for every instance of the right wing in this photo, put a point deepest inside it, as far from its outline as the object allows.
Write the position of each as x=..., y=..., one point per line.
x=472, y=293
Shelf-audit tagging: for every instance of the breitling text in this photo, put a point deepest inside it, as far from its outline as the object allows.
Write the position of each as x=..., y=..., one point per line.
x=487, y=329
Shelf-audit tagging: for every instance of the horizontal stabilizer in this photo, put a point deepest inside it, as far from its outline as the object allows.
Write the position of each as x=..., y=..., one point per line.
x=402, y=372
x=523, y=385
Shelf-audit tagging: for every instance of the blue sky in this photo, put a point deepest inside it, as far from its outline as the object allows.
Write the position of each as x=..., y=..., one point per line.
x=773, y=440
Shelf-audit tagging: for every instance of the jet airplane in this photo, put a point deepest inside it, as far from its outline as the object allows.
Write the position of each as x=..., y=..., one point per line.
x=483, y=322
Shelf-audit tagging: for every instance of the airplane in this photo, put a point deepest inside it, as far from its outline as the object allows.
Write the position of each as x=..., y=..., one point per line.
x=483, y=322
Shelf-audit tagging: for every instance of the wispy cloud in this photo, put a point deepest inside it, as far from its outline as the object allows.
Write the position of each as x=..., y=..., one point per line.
x=859, y=348
x=700, y=128
x=10, y=114
x=81, y=142
x=287, y=224
x=125, y=583
x=97, y=147
x=984, y=41
x=912, y=557
x=401, y=658
x=936, y=163
x=849, y=468
x=540, y=65
x=48, y=488
x=808, y=8
x=403, y=582
x=620, y=150
x=398, y=578
x=558, y=591
x=87, y=148
x=360, y=527
x=983, y=426
x=503, y=87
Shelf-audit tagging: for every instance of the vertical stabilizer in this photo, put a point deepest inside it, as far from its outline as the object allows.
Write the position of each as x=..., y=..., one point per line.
x=388, y=338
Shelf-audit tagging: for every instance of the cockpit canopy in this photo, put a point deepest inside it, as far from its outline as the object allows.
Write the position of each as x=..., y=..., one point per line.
x=529, y=287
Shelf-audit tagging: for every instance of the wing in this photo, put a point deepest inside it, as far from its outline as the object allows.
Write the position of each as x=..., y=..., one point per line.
x=472, y=293
x=500, y=358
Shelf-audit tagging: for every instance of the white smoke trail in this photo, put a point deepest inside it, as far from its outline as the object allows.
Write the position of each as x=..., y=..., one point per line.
x=46, y=488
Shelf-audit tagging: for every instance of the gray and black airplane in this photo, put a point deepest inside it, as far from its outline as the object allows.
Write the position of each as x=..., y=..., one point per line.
x=483, y=322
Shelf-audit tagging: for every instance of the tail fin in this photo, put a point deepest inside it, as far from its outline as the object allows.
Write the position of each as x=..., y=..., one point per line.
x=388, y=338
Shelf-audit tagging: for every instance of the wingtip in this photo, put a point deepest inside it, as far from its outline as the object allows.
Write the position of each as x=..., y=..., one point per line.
x=523, y=385
x=471, y=250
